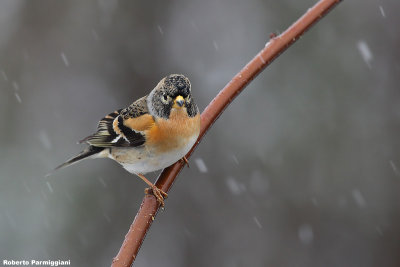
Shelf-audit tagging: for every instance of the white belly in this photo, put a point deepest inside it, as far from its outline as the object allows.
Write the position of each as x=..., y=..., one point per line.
x=141, y=160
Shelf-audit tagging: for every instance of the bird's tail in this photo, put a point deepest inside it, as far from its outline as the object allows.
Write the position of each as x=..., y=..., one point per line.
x=89, y=152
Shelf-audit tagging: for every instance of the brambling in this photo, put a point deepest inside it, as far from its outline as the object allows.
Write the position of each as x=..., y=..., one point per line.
x=152, y=133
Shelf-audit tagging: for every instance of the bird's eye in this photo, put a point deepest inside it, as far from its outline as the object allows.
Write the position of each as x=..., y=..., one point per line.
x=165, y=98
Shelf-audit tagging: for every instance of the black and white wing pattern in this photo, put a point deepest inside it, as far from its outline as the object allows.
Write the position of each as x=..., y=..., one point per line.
x=123, y=128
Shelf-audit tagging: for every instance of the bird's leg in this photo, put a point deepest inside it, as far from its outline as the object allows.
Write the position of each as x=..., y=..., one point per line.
x=157, y=192
x=185, y=161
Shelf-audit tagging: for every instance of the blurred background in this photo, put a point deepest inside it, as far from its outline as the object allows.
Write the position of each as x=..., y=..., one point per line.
x=303, y=169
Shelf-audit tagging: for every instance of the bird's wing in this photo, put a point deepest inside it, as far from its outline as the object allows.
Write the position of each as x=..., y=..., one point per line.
x=124, y=127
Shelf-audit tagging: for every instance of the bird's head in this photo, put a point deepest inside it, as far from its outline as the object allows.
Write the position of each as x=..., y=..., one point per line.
x=172, y=92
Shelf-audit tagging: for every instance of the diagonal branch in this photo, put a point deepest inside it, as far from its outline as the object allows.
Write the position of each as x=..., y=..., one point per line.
x=149, y=207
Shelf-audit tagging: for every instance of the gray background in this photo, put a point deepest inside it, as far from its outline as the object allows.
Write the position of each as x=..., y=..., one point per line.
x=303, y=169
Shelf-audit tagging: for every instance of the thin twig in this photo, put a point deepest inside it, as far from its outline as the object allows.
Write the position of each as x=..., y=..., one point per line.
x=149, y=208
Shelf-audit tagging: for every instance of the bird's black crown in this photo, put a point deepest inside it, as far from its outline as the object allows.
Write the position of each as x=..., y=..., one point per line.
x=177, y=84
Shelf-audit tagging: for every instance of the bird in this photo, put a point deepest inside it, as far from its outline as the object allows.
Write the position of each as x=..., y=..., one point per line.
x=152, y=133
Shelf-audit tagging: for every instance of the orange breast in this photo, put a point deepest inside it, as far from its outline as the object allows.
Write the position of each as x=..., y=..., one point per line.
x=173, y=133
x=140, y=123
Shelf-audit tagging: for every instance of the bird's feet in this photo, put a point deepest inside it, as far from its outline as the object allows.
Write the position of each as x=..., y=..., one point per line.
x=158, y=193
x=185, y=161
x=154, y=190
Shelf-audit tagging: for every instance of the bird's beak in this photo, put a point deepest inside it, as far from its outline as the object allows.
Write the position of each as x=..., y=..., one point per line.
x=179, y=100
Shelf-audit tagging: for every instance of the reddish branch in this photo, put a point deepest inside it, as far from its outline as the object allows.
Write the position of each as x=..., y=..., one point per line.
x=272, y=50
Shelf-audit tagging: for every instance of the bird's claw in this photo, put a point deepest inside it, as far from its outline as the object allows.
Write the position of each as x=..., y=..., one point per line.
x=158, y=193
x=185, y=161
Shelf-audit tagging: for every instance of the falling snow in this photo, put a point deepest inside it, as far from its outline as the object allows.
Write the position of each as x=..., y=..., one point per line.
x=257, y=222
x=15, y=85
x=160, y=29
x=365, y=52
x=235, y=159
x=394, y=167
x=18, y=97
x=382, y=11
x=45, y=140
x=4, y=75
x=358, y=198
x=101, y=180
x=49, y=187
x=306, y=234
x=16, y=88
x=65, y=59
x=215, y=45
x=235, y=187
x=201, y=165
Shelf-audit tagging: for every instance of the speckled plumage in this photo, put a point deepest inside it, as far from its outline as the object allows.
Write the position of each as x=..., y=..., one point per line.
x=136, y=109
x=152, y=133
